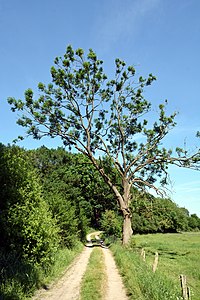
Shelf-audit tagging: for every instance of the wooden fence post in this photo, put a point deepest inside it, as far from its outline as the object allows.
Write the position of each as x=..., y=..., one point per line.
x=185, y=288
x=188, y=293
x=143, y=254
x=155, y=263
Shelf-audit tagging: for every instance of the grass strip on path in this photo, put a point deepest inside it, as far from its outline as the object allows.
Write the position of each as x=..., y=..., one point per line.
x=95, y=277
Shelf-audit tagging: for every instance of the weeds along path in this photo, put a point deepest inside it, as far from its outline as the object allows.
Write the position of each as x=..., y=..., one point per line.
x=68, y=287
x=115, y=289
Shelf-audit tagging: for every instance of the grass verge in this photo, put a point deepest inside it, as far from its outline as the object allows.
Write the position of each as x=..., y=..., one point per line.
x=94, y=278
x=139, y=279
x=63, y=259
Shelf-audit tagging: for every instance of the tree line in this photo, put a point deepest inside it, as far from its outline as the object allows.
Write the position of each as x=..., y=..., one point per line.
x=49, y=198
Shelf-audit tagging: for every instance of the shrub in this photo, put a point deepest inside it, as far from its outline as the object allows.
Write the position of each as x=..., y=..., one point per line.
x=27, y=226
x=111, y=223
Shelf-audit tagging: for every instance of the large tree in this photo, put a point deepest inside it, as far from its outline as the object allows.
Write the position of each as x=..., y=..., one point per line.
x=104, y=118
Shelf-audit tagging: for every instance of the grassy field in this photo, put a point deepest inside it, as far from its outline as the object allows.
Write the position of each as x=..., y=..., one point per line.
x=94, y=278
x=178, y=254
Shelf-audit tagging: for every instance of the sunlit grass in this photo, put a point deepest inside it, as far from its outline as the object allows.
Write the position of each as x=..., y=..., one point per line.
x=94, y=278
x=178, y=254
x=140, y=281
x=62, y=260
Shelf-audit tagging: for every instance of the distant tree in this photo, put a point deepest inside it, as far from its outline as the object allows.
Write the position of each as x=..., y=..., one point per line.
x=185, y=211
x=151, y=215
x=194, y=222
x=70, y=179
x=101, y=117
x=111, y=223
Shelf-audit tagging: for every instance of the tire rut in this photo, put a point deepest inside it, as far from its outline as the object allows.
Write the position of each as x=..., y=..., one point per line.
x=115, y=289
x=68, y=287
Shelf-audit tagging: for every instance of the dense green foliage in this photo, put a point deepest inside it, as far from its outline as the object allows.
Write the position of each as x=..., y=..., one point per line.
x=29, y=234
x=76, y=181
x=152, y=215
x=48, y=200
x=71, y=183
x=27, y=227
x=111, y=224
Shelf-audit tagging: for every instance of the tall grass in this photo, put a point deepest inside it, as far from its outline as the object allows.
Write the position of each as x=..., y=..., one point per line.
x=19, y=280
x=63, y=259
x=94, y=278
x=140, y=281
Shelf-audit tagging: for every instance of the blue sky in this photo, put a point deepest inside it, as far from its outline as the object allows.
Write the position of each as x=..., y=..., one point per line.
x=157, y=36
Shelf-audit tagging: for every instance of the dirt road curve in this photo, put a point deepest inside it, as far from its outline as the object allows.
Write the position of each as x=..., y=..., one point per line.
x=68, y=288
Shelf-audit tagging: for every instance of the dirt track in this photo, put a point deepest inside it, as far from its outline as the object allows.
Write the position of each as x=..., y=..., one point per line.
x=68, y=287
x=115, y=288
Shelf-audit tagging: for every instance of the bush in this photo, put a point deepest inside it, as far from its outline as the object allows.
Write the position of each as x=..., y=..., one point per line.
x=27, y=227
x=33, y=232
x=111, y=223
x=18, y=278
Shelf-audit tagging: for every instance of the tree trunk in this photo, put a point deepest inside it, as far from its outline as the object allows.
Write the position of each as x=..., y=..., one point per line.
x=123, y=201
x=127, y=229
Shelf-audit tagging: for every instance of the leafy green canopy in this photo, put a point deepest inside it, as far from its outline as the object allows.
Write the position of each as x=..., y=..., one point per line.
x=72, y=186
x=26, y=224
x=150, y=214
x=99, y=117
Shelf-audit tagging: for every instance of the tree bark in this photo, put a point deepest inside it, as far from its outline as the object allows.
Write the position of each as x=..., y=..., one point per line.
x=127, y=229
x=127, y=226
